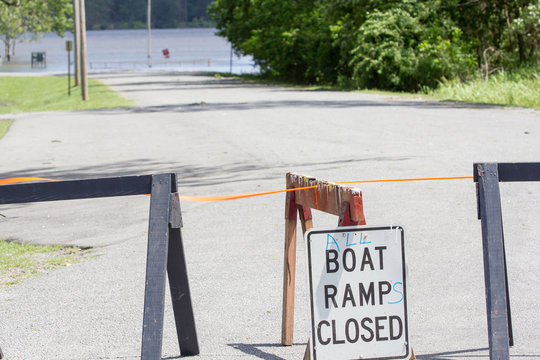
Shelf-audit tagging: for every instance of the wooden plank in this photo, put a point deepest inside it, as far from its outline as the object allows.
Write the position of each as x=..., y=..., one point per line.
x=75, y=189
x=494, y=269
x=289, y=270
x=306, y=219
x=327, y=196
x=511, y=172
x=181, y=295
x=156, y=265
x=175, y=213
x=519, y=172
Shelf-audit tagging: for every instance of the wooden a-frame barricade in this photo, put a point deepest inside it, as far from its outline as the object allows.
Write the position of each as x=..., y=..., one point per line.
x=331, y=198
x=165, y=248
x=487, y=177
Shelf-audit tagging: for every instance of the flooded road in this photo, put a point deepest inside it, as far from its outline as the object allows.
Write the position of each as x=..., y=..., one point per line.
x=188, y=49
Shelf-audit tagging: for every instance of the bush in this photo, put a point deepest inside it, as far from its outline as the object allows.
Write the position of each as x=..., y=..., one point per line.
x=397, y=50
x=405, y=45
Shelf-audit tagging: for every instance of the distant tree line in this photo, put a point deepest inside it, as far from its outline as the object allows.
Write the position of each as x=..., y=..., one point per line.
x=131, y=14
x=387, y=44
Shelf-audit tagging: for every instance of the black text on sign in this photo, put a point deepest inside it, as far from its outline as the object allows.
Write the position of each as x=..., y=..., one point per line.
x=358, y=298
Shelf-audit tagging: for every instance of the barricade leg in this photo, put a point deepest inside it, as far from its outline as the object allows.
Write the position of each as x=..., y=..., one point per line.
x=306, y=219
x=289, y=270
x=156, y=265
x=179, y=286
x=508, y=310
x=494, y=262
x=181, y=296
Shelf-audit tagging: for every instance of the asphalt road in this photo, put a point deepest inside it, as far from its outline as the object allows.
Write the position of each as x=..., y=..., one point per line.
x=223, y=136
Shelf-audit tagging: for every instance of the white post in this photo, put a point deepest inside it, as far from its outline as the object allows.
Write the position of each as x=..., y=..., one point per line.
x=84, y=75
x=149, y=25
x=77, y=41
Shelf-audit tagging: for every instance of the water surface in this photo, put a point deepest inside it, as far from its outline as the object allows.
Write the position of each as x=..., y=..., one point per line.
x=189, y=49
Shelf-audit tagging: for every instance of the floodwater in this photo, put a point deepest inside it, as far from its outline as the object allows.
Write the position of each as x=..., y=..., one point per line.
x=189, y=50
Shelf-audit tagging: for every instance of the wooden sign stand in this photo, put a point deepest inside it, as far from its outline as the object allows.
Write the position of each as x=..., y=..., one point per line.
x=165, y=249
x=328, y=197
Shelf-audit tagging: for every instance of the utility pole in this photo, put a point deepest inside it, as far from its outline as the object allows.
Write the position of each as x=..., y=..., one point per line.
x=149, y=26
x=84, y=75
x=77, y=40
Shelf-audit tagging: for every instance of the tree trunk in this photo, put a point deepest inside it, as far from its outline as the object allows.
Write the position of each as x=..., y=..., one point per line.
x=7, y=43
x=521, y=48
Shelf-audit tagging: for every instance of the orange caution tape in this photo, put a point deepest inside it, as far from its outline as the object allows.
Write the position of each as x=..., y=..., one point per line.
x=417, y=179
x=243, y=196
x=22, y=179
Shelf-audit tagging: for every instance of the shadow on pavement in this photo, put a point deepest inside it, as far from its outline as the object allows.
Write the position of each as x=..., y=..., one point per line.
x=323, y=104
x=254, y=349
x=189, y=175
x=458, y=354
x=470, y=354
x=207, y=82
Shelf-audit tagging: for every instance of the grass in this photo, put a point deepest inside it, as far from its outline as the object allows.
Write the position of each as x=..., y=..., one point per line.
x=48, y=93
x=4, y=126
x=21, y=261
x=521, y=88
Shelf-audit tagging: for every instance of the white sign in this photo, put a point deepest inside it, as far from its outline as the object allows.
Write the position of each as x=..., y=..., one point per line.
x=358, y=299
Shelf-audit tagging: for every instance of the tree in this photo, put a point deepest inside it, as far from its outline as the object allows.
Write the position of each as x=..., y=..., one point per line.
x=131, y=14
x=501, y=31
x=388, y=44
x=407, y=48
x=28, y=19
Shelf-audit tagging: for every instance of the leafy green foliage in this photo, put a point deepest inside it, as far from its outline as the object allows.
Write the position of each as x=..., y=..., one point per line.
x=408, y=49
x=286, y=38
x=525, y=31
x=397, y=45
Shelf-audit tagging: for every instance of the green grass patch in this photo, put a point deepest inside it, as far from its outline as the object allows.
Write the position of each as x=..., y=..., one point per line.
x=517, y=88
x=4, y=126
x=513, y=89
x=21, y=261
x=49, y=93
